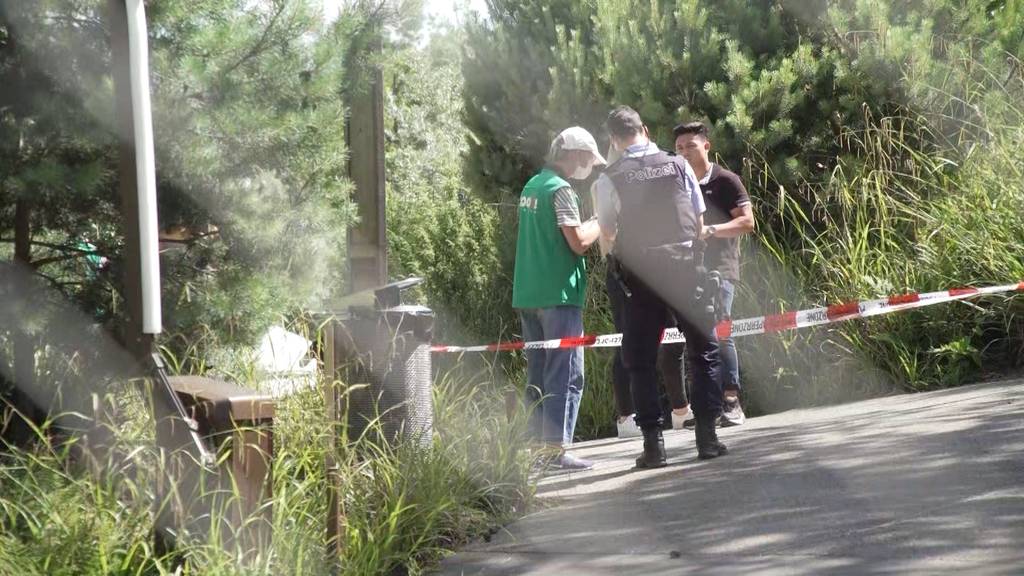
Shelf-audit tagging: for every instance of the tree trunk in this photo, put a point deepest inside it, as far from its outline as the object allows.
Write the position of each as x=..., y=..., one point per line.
x=24, y=348
x=138, y=344
x=24, y=353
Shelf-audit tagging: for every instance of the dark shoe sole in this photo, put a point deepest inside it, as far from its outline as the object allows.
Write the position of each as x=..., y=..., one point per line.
x=691, y=424
x=642, y=464
x=719, y=450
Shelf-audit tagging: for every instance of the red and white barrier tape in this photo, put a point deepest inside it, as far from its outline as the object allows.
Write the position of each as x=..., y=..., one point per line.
x=762, y=324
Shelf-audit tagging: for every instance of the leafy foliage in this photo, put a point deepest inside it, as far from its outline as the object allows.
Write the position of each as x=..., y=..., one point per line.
x=809, y=101
x=437, y=228
x=405, y=504
x=250, y=151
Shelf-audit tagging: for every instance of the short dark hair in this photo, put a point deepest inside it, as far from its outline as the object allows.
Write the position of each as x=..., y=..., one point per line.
x=624, y=122
x=697, y=128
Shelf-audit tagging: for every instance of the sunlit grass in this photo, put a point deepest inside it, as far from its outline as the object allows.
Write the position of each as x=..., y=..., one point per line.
x=921, y=201
x=405, y=504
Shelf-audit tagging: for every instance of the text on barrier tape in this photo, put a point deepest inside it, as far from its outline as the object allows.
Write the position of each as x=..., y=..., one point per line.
x=761, y=324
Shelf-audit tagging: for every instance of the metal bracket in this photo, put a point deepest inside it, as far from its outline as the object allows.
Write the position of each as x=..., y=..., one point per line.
x=206, y=458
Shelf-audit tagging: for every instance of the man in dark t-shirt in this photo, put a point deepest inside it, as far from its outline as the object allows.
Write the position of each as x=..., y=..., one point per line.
x=729, y=215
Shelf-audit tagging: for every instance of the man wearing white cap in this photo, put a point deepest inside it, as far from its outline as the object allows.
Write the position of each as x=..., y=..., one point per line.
x=550, y=284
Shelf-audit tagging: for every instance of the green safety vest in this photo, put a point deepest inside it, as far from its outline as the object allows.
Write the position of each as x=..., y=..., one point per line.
x=548, y=273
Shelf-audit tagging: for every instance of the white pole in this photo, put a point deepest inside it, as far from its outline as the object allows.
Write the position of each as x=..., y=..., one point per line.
x=145, y=166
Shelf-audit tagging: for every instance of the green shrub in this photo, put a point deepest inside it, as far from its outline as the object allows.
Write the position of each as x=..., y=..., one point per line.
x=405, y=504
x=879, y=140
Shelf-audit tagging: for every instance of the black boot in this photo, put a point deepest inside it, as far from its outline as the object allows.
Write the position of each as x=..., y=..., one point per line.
x=708, y=446
x=654, y=450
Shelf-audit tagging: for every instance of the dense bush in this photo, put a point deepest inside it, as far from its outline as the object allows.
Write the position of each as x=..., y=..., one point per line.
x=405, y=504
x=860, y=128
x=250, y=156
x=437, y=228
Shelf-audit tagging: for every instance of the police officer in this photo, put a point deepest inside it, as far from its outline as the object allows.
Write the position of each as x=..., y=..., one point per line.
x=652, y=206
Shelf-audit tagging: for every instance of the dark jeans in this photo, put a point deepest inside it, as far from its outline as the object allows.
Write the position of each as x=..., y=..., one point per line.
x=670, y=360
x=730, y=361
x=646, y=317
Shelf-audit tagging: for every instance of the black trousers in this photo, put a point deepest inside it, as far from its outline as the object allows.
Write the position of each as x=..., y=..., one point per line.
x=646, y=316
x=670, y=359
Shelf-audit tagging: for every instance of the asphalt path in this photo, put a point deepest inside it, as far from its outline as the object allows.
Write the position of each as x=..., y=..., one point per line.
x=909, y=484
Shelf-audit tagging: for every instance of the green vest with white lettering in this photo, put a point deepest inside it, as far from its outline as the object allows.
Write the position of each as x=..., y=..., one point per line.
x=548, y=273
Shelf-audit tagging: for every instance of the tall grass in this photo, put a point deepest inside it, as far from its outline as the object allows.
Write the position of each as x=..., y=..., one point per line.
x=924, y=201
x=405, y=504
x=597, y=409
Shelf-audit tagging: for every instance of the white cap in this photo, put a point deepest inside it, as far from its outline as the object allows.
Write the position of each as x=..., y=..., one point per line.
x=576, y=138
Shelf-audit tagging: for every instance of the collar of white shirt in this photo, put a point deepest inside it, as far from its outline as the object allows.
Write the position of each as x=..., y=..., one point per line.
x=639, y=150
x=707, y=177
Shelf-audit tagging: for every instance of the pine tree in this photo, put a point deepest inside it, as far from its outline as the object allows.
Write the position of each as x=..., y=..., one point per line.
x=778, y=83
x=250, y=137
x=790, y=89
x=437, y=228
x=250, y=154
x=54, y=176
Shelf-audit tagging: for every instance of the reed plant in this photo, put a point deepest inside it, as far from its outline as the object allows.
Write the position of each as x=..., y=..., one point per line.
x=927, y=198
x=406, y=504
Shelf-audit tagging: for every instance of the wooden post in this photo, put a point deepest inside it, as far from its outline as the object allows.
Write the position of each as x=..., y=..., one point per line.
x=230, y=498
x=367, y=242
x=140, y=345
x=333, y=472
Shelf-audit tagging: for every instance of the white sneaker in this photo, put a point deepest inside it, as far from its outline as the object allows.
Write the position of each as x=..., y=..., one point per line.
x=627, y=427
x=732, y=413
x=572, y=462
x=679, y=419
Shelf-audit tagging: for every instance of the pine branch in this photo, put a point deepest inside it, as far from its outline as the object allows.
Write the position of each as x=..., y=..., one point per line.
x=54, y=259
x=53, y=281
x=51, y=246
x=260, y=45
x=83, y=22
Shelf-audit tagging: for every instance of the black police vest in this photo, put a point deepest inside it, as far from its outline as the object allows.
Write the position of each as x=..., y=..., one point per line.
x=656, y=209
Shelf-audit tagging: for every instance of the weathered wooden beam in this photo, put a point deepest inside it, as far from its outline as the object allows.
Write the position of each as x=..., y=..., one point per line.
x=368, y=241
